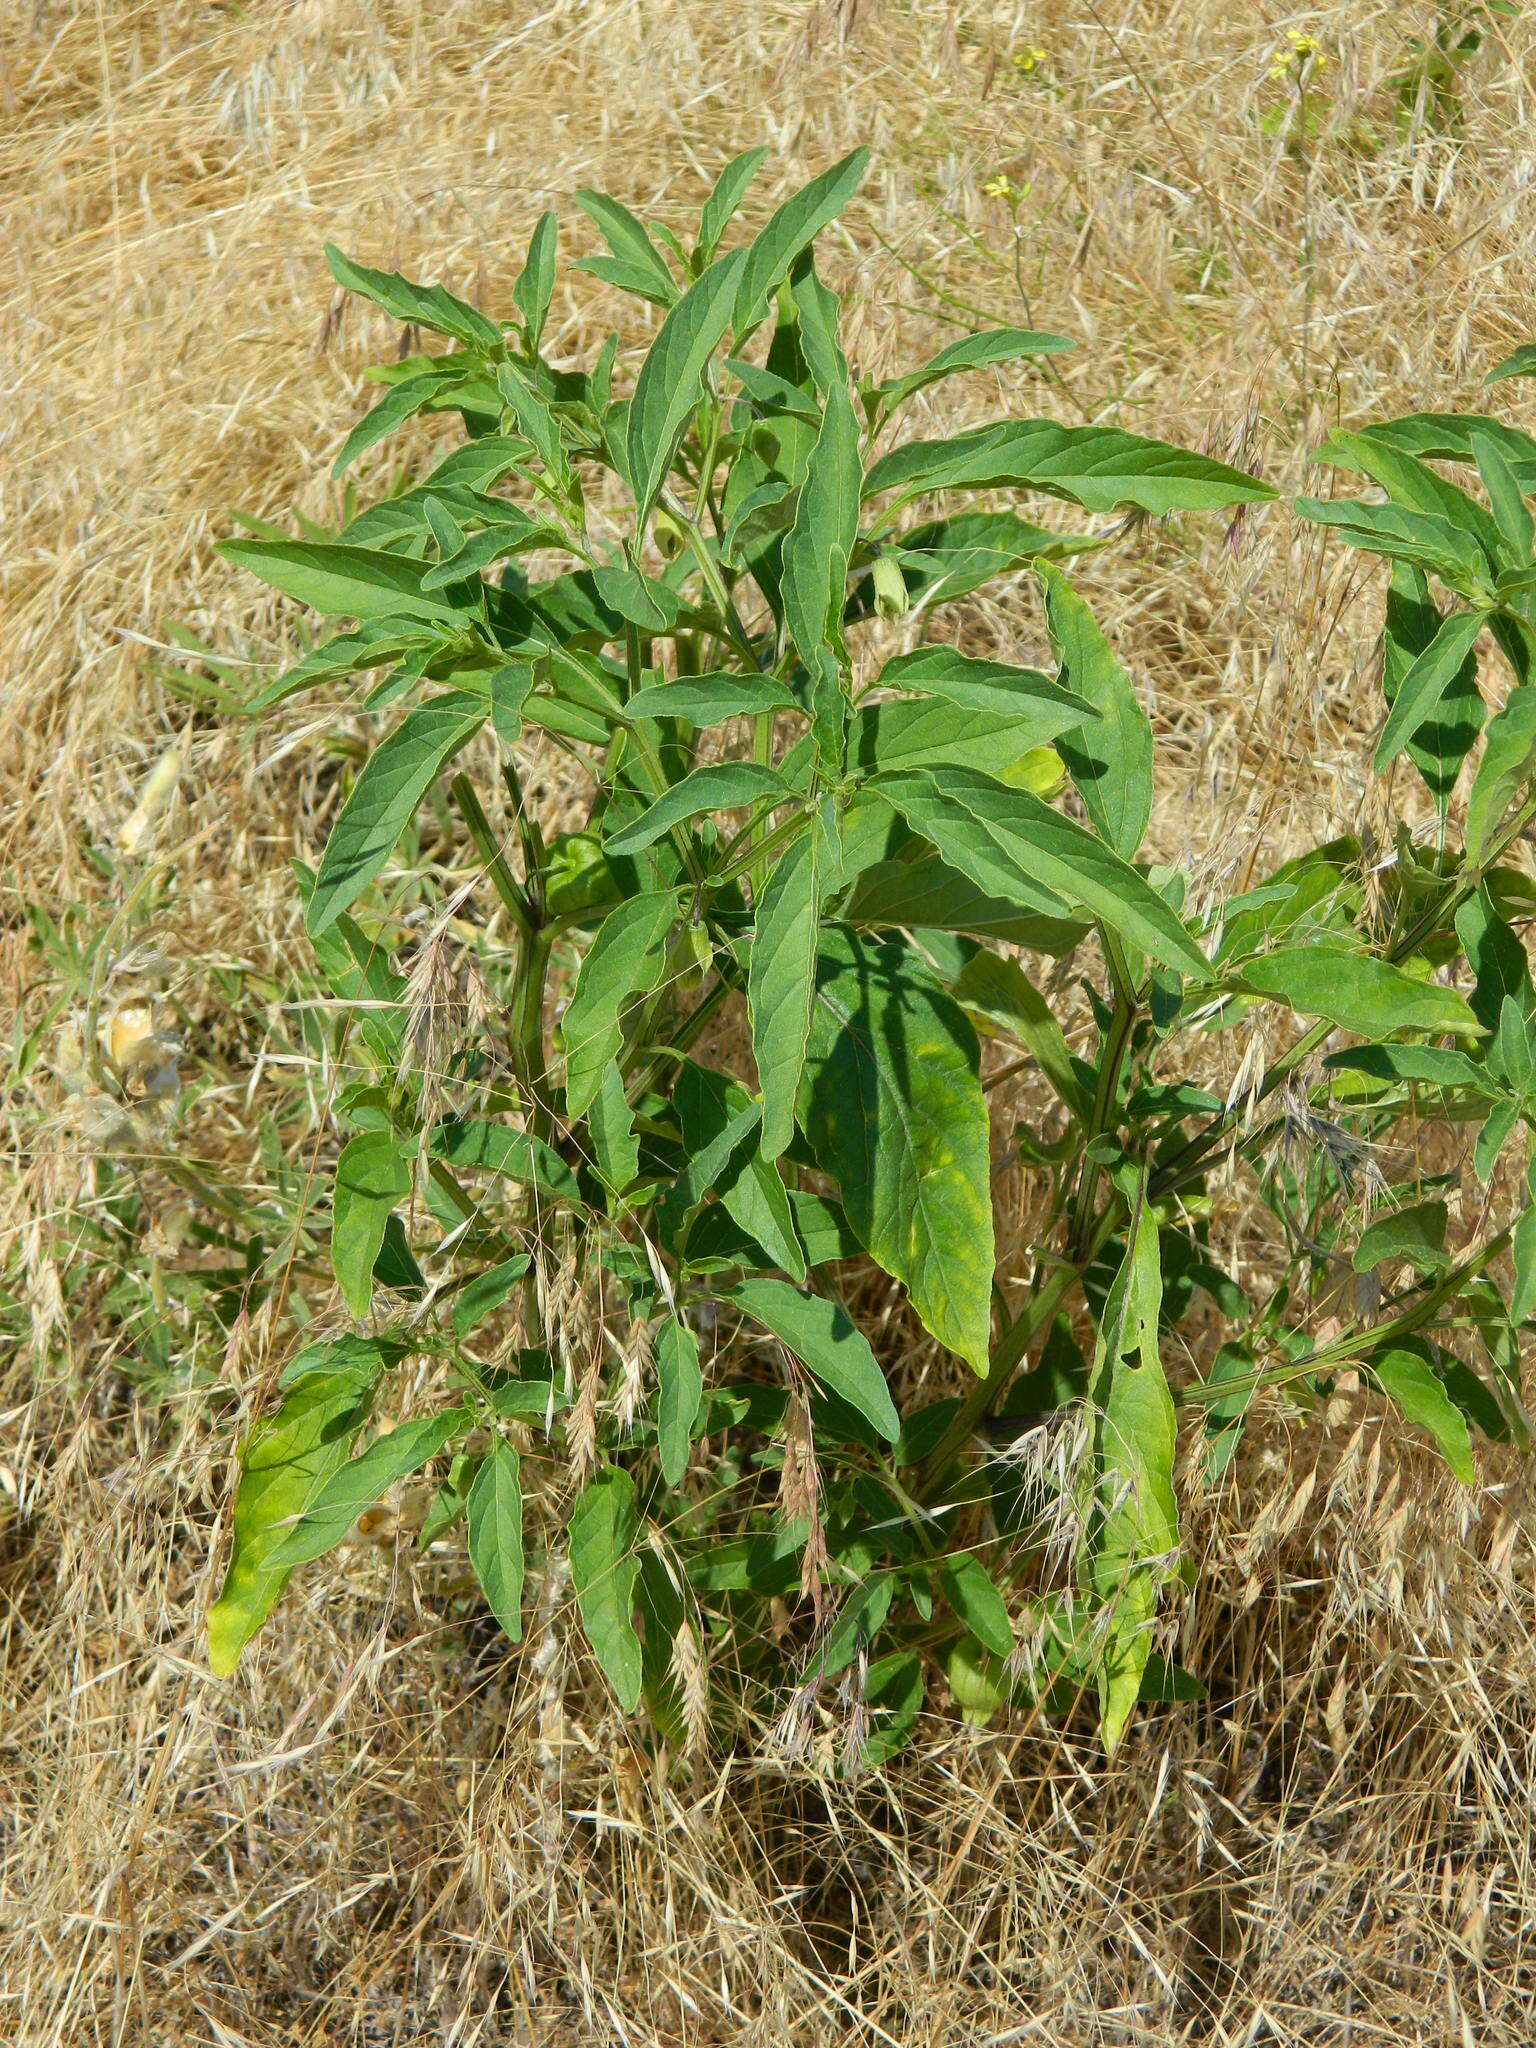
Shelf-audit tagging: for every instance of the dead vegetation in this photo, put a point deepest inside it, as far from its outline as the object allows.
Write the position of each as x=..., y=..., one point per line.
x=387, y=1829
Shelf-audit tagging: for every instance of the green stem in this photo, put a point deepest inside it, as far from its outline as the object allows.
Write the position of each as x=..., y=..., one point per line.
x=1007, y=1355
x=530, y=838
x=1192, y=1159
x=526, y=1026
x=1117, y=1042
x=656, y=775
x=1044, y=1301
x=686, y=1032
x=1343, y=1350
x=711, y=455
x=469, y=1210
x=505, y=883
x=737, y=862
x=633, y=667
x=1469, y=884
x=709, y=568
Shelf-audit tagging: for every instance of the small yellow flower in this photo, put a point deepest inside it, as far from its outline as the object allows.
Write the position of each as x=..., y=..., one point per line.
x=1305, y=53
x=1000, y=187
x=1028, y=61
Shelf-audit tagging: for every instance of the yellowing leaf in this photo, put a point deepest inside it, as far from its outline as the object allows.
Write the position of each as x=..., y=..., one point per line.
x=893, y=1108
x=286, y=1460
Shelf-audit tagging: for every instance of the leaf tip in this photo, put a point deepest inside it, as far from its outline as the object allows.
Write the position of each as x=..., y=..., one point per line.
x=227, y=1637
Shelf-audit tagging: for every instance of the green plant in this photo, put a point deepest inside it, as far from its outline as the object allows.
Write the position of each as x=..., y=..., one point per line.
x=1427, y=87
x=1299, y=117
x=626, y=1253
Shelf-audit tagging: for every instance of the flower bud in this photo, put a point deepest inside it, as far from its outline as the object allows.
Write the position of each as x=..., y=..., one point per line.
x=670, y=538
x=891, y=600
x=701, y=957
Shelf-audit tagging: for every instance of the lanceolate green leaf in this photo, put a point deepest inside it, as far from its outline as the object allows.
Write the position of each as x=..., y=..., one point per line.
x=1449, y=437
x=509, y=688
x=502, y=1149
x=636, y=264
x=730, y=189
x=1011, y=844
x=400, y=403
x=448, y=1503
x=822, y=1335
x=903, y=736
x=285, y=1462
x=535, y=419
x=816, y=557
x=1512, y=1054
x=1101, y=468
x=373, y=1175
x=946, y=559
x=495, y=1516
x=639, y=600
x=977, y=1602
x=1418, y=1390
x=1424, y=538
x=720, y=1122
x=893, y=1693
x=1509, y=759
x=1414, y=1235
x=1496, y=954
x=668, y=386
x=1110, y=756
x=928, y=894
x=626, y=959
x=344, y=654
x=582, y=702
x=820, y=336
x=780, y=981
x=1521, y=364
x=426, y=305
x=680, y=1394
x=980, y=685
x=1426, y=681
x=611, y=1125
x=792, y=228
x=395, y=778
x=858, y=1623
x=1438, y=1066
x=364, y=1480
x=536, y=287
x=1134, y=1537
x=604, y=1524
x=344, y=582
x=723, y=786
x=393, y=521
x=1506, y=488
x=975, y=352
x=1355, y=990
x=1449, y=731
x=997, y=988
x=514, y=534
x=486, y=1292
x=710, y=699
x=1412, y=484
x=359, y=975
x=893, y=1109
x=1522, y=1300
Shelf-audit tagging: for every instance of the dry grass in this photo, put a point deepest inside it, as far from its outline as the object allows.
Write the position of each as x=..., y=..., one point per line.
x=386, y=1831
